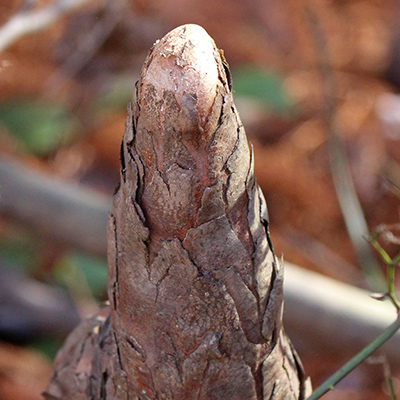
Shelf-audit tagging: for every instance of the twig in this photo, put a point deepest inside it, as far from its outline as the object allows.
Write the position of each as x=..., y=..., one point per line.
x=27, y=21
x=390, y=268
x=67, y=213
x=348, y=318
x=357, y=360
x=382, y=338
x=87, y=47
x=349, y=203
x=381, y=360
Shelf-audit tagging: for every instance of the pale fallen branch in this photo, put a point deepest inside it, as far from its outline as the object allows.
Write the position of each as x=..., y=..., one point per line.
x=69, y=214
x=319, y=311
x=326, y=312
x=29, y=21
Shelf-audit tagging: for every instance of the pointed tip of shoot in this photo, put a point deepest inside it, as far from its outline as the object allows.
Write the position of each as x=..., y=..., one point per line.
x=183, y=63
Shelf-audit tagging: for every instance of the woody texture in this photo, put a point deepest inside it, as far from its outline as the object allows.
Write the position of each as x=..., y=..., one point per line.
x=195, y=290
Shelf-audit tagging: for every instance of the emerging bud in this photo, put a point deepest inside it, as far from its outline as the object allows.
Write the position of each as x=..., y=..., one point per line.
x=194, y=286
x=182, y=64
x=182, y=94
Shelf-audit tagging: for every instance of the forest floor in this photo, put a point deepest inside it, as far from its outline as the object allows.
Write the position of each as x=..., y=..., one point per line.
x=85, y=66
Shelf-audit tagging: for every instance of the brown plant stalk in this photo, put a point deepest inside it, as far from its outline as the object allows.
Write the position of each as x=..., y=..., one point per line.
x=194, y=287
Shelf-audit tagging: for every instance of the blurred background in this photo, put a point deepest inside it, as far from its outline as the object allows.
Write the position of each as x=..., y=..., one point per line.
x=316, y=84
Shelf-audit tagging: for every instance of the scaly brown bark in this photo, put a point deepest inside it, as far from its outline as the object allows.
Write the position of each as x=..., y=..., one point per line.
x=194, y=287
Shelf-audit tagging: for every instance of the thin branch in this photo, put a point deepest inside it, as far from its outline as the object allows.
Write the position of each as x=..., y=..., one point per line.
x=382, y=360
x=66, y=213
x=390, y=270
x=356, y=361
x=348, y=318
x=88, y=46
x=27, y=21
x=353, y=215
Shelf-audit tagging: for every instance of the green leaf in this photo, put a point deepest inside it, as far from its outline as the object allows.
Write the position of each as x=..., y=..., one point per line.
x=264, y=86
x=39, y=126
x=47, y=346
x=95, y=271
x=20, y=250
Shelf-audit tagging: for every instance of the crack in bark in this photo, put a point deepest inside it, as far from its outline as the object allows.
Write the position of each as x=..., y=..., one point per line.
x=271, y=397
x=203, y=378
x=103, y=383
x=118, y=351
x=221, y=118
x=122, y=160
x=300, y=371
x=133, y=343
x=158, y=283
x=177, y=364
x=272, y=317
x=258, y=380
x=115, y=283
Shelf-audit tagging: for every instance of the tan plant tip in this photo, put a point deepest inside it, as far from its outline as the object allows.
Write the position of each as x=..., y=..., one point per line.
x=184, y=62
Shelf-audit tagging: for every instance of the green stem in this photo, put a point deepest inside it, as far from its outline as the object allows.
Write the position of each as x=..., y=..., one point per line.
x=390, y=386
x=390, y=278
x=355, y=361
x=390, y=270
